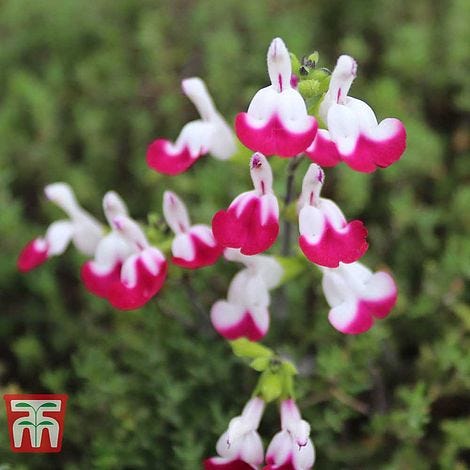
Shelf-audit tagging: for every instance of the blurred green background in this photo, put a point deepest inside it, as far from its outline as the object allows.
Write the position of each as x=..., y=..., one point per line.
x=85, y=86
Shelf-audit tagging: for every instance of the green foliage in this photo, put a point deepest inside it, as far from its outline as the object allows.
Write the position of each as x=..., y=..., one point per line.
x=85, y=86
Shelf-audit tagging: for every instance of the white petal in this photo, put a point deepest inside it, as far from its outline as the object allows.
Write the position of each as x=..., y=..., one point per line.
x=182, y=247
x=251, y=450
x=223, y=143
x=279, y=65
x=261, y=174
x=332, y=212
x=280, y=448
x=131, y=231
x=196, y=136
x=113, y=205
x=63, y=196
x=195, y=89
x=248, y=289
x=311, y=223
x=204, y=233
x=111, y=249
x=175, y=212
x=304, y=457
x=87, y=232
x=343, y=127
x=311, y=186
x=335, y=288
x=58, y=237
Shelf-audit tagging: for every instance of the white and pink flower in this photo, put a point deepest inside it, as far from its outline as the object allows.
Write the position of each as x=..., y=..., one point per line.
x=245, y=313
x=251, y=222
x=277, y=122
x=210, y=134
x=357, y=296
x=354, y=134
x=126, y=270
x=81, y=228
x=291, y=448
x=326, y=238
x=194, y=245
x=240, y=446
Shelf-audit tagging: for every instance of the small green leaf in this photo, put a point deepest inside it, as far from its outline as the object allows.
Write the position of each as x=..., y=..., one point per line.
x=48, y=405
x=23, y=405
x=260, y=363
x=45, y=423
x=26, y=423
x=289, y=368
x=245, y=348
x=270, y=386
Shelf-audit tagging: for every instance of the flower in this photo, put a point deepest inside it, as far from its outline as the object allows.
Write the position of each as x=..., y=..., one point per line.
x=210, y=134
x=326, y=238
x=357, y=296
x=277, y=122
x=126, y=270
x=194, y=245
x=240, y=447
x=245, y=312
x=251, y=222
x=291, y=448
x=81, y=228
x=354, y=135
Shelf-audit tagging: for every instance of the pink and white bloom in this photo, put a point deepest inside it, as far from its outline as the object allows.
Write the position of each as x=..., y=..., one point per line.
x=245, y=313
x=81, y=228
x=194, y=245
x=354, y=134
x=277, y=122
x=210, y=134
x=240, y=446
x=326, y=238
x=291, y=448
x=126, y=270
x=251, y=222
x=357, y=296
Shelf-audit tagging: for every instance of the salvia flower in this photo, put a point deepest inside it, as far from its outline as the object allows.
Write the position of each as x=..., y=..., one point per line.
x=251, y=222
x=357, y=296
x=277, y=122
x=354, y=134
x=81, y=228
x=194, y=245
x=126, y=270
x=326, y=238
x=291, y=448
x=210, y=134
x=240, y=446
x=245, y=312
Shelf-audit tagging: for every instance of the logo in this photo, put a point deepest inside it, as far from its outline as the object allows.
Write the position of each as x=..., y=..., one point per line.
x=35, y=422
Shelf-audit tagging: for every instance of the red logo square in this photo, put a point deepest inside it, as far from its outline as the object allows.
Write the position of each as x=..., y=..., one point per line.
x=35, y=421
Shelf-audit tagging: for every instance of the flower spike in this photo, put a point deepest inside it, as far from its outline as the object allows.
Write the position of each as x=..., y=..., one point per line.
x=354, y=135
x=277, y=122
x=326, y=238
x=82, y=229
x=357, y=296
x=251, y=222
x=240, y=446
x=194, y=246
x=291, y=448
x=210, y=134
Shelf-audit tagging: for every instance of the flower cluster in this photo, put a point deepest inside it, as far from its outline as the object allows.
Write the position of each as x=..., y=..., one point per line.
x=240, y=446
x=124, y=268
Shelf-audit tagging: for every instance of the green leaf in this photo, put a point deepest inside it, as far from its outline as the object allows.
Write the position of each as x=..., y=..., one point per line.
x=23, y=405
x=260, y=364
x=45, y=423
x=245, y=348
x=48, y=405
x=292, y=266
x=26, y=423
x=270, y=386
x=289, y=368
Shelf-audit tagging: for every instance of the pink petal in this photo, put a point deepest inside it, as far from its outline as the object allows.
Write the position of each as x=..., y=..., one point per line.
x=323, y=150
x=100, y=283
x=274, y=138
x=146, y=286
x=160, y=159
x=204, y=254
x=244, y=229
x=334, y=246
x=219, y=463
x=237, y=321
x=32, y=255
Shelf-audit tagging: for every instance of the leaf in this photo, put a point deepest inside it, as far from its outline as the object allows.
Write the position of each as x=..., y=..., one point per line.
x=260, y=363
x=292, y=266
x=270, y=386
x=48, y=405
x=245, y=348
x=26, y=423
x=45, y=423
x=23, y=405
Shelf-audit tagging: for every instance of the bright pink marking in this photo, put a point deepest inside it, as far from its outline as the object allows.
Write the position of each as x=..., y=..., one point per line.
x=312, y=198
x=274, y=138
x=182, y=227
x=279, y=80
x=263, y=191
x=338, y=96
